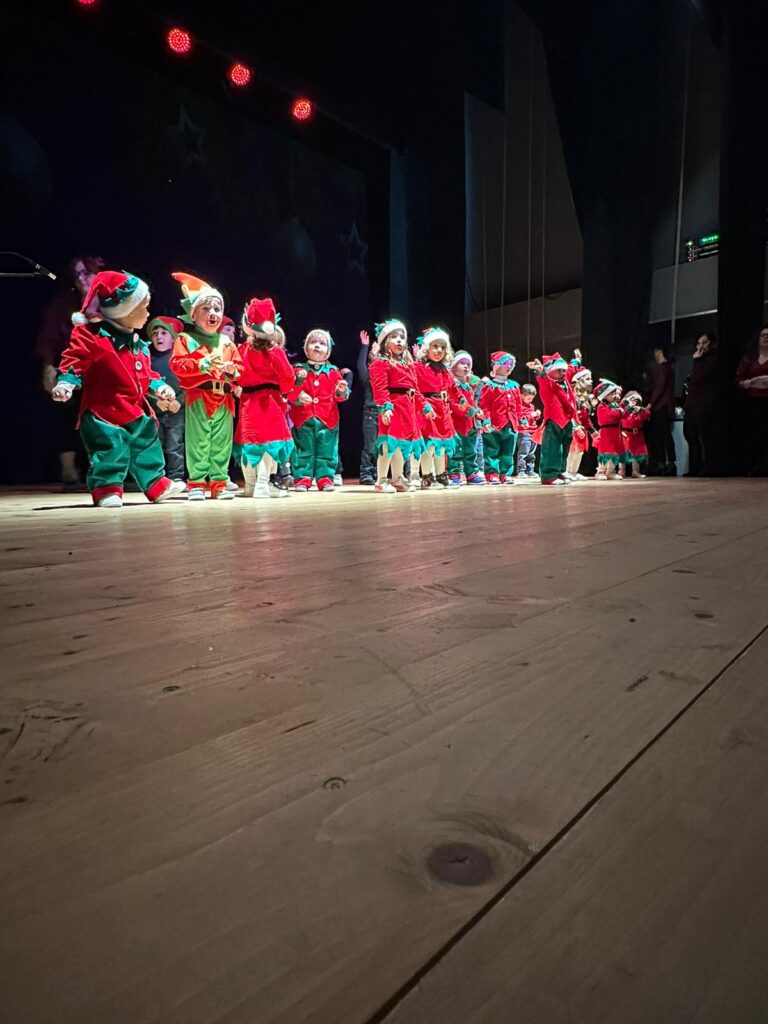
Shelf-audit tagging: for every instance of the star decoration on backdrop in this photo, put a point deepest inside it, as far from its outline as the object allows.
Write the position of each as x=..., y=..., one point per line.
x=356, y=249
x=189, y=138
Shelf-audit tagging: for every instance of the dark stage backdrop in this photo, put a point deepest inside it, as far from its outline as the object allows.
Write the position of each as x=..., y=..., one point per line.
x=102, y=155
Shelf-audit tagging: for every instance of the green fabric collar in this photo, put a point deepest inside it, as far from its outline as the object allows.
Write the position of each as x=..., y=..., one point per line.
x=124, y=339
x=199, y=339
x=503, y=384
x=323, y=368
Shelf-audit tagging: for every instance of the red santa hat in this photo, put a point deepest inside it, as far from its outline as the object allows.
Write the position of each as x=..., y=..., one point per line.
x=115, y=293
x=604, y=388
x=259, y=317
x=168, y=323
x=580, y=375
x=227, y=321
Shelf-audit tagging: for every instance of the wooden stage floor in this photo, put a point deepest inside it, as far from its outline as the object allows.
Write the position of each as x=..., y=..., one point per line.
x=455, y=758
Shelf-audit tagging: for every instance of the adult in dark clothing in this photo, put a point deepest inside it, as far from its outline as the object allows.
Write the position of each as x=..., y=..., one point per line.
x=752, y=379
x=53, y=338
x=662, y=403
x=698, y=425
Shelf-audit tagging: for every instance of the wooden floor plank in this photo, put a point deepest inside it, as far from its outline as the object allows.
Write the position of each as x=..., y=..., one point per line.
x=653, y=907
x=253, y=846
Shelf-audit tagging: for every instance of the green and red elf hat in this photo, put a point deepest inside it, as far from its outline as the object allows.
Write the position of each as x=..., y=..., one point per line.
x=461, y=357
x=632, y=400
x=553, y=362
x=115, y=294
x=194, y=291
x=260, y=318
x=503, y=359
x=604, y=389
x=168, y=323
x=386, y=328
x=582, y=374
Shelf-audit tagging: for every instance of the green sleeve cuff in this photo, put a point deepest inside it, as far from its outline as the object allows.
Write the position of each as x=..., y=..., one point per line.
x=387, y=407
x=205, y=364
x=155, y=384
x=428, y=407
x=70, y=378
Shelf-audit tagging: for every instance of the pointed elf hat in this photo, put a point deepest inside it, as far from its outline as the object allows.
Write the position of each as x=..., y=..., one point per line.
x=314, y=334
x=383, y=330
x=582, y=374
x=434, y=334
x=168, y=323
x=116, y=293
x=259, y=317
x=553, y=362
x=604, y=388
x=502, y=358
x=461, y=357
x=195, y=291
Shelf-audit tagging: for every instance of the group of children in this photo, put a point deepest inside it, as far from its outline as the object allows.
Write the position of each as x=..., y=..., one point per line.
x=427, y=418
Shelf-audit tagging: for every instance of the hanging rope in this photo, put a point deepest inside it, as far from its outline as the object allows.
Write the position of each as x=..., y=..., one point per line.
x=504, y=191
x=530, y=196
x=544, y=213
x=681, y=181
x=485, y=278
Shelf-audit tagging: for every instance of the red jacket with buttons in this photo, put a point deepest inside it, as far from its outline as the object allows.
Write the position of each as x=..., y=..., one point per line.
x=463, y=409
x=501, y=403
x=113, y=369
x=529, y=417
x=558, y=398
x=632, y=430
x=610, y=441
x=320, y=384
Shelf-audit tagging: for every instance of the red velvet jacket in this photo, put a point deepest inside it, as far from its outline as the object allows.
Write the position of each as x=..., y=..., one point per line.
x=113, y=369
x=558, y=398
x=529, y=417
x=405, y=401
x=191, y=351
x=610, y=441
x=321, y=386
x=632, y=432
x=463, y=409
x=438, y=387
x=501, y=403
x=262, y=418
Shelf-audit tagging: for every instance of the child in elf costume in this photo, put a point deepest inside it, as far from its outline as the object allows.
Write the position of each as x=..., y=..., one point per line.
x=320, y=388
x=553, y=376
x=263, y=436
x=207, y=365
x=162, y=332
x=610, y=444
x=500, y=401
x=228, y=329
x=437, y=385
x=107, y=359
x=526, y=442
x=633, y=416
x=583, y=426
x=468, y=420
x=395, y=391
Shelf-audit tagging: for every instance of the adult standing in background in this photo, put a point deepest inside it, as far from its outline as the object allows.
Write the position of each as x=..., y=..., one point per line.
x=698, y=426
x=662, y=403
x=53, y=338
x=752, y=378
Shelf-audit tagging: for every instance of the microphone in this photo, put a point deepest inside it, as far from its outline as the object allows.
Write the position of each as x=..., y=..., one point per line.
x=44, y=271
x=38, y=269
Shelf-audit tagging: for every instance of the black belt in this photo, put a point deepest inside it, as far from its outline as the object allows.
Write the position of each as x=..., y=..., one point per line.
x=402, y=391
x=219, y=387
x=436, y=394
x=260, y=387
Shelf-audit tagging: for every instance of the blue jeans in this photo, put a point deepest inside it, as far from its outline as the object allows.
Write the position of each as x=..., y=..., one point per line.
x=526, y=454
x=170, y=429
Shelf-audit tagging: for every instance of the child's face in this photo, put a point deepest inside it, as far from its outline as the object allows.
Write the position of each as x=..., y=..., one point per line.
x=229, y=330
x=436, y=351
x=502, y=370
x=462, y=370
x=557, y=374
x=613, y=396
x=162, y=340
x=527, y=397
x=395, y=342
x=318, y=349
x=207, y=315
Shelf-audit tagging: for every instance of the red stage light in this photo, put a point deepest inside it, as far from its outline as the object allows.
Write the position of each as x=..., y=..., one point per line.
x=179, y=41
x=302, y=110
x=240, y=74
x=87, y=3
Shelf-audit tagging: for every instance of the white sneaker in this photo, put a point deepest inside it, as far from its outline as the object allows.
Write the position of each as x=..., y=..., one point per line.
x=175, y=488
x=384, y=487
x=232, y=486
x=196, y=494
x=225, y=495
x=111, y=501
x=261, y=490
x=338, y=480
x=277, y=492
x=414, y=484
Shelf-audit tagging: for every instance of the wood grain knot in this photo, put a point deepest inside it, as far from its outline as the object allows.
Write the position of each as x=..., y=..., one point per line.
x=460, y=864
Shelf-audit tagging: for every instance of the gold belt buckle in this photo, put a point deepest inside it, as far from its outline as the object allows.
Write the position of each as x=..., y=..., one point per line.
x=218, y=387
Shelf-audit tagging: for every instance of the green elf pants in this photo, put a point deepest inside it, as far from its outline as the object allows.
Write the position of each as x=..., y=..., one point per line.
x=464, y=455
x=208, y=442
x=554, y=449
x=114, y=452
x=317, y=451
x=499, y=451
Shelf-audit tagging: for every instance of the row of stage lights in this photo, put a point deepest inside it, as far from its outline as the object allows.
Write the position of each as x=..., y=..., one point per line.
x=180, y=42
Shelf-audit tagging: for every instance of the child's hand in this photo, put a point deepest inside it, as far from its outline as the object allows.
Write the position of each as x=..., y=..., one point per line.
x=301, y=374
x=237, y=391
x=229, y=369
x=431, y=415
x=341, y=388
x=375, y=349
x=577, y=354
x=165, y=393
x=365, y=338
x=535, y=364
x=62, y=393
x=304, y=399
x=386, y=417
